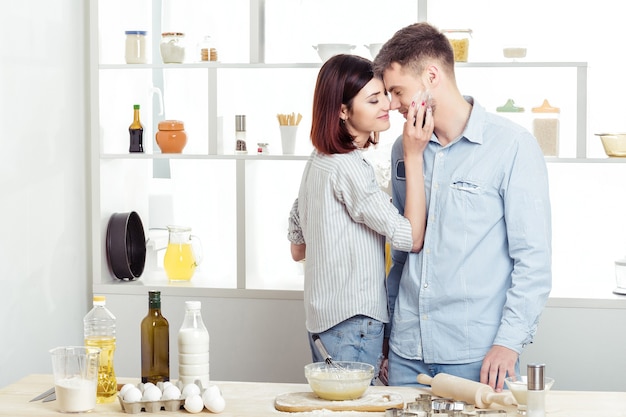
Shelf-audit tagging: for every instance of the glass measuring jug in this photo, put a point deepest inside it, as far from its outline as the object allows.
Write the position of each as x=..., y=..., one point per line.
x=183, y=254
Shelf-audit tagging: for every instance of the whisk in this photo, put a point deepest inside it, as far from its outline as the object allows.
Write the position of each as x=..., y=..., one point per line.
x=327, y=358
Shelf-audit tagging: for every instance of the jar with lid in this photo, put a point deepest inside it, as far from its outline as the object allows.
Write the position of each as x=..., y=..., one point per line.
x=171, y=136
x=207, y=49
x=172, y=47
x=459, y=39
x=546, y=128
x=513, y=112
x=136, y=47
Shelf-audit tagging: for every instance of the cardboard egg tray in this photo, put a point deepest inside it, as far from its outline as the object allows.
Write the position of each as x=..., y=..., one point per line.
x=150, y=406
x=154, y=406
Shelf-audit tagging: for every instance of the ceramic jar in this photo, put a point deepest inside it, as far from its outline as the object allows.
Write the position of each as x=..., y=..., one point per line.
x=171, y=136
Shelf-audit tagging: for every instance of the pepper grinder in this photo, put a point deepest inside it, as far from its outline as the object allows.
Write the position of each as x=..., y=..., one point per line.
x=240, y=134
x=536, y=400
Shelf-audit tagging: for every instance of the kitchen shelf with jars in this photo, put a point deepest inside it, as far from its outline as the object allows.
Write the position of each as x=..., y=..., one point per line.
x=237, y=203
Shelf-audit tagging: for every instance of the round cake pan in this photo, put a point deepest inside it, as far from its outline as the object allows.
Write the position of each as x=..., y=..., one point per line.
x=126, y=245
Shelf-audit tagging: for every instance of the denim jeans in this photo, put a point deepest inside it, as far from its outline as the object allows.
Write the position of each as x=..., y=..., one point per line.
x=404, y=371
x=358, y=339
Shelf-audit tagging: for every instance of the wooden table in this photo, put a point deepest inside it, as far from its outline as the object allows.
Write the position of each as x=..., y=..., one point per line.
x=256, y=399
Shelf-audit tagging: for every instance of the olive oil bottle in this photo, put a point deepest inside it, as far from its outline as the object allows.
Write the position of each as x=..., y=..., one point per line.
x=155, y=342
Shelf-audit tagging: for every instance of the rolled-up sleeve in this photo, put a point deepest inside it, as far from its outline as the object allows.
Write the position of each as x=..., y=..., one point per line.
x=294, y=234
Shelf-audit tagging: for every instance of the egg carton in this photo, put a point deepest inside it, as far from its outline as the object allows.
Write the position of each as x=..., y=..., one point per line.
x=151, y=406
x=155, y=406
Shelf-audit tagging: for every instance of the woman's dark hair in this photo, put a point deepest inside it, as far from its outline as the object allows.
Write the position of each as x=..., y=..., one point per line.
x=340, y=79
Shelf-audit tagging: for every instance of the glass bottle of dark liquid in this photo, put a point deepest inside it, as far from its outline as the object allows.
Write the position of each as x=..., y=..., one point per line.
x=155, y=343
x=136, y=132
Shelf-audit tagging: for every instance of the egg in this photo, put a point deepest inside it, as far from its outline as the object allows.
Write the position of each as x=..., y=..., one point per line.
x=151, y=394
x=213, y=400
x=171, y=393
x=194, y=404
x=125, y=389
x=146, y=386
x=132, y=395
x=190, y=389
x=166, y=384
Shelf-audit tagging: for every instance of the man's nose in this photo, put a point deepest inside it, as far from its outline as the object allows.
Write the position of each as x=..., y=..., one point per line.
x=395, y=104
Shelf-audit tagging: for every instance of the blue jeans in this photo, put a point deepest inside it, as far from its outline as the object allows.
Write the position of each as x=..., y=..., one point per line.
x=358, y=339
x=404, y=371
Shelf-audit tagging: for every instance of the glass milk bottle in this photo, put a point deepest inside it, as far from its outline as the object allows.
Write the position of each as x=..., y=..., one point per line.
x=99, y=332
x=193, y=347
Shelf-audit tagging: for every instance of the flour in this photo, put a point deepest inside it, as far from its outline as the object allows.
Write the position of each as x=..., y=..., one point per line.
x=75, y=395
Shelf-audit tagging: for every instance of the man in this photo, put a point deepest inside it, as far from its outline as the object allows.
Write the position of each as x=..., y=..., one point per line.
x=470, y=301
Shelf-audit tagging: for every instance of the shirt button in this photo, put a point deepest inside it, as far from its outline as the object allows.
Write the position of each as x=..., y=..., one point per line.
x=427, y=250
x=426, y=285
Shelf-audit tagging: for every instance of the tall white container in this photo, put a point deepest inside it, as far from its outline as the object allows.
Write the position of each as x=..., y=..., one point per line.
x=193, y=346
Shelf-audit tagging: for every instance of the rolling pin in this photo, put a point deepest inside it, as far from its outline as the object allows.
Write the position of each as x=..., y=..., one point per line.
x=461, y=389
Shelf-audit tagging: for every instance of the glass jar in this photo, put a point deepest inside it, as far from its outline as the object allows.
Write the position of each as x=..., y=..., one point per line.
x=136, y=47
x=459, y=39
x=172, y=47
x=207, y=49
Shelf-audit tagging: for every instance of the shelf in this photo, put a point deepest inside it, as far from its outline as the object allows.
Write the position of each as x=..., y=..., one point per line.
x=222, y=65
x=521, y=64
x=211, y=65
x=245, y=157
x=270, y=157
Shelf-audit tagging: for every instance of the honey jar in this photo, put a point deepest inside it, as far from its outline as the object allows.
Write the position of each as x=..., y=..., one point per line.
x=171, y=136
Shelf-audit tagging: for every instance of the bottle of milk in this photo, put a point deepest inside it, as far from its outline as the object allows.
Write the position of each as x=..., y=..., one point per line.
x=193, y=347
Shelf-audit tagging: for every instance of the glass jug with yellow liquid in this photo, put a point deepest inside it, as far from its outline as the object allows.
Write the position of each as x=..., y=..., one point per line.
x=183, y=254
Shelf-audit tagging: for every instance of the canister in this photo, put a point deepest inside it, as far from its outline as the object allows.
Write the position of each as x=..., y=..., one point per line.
x=546, y=128
x=171, y=136
x=172, y=47
x=459, y=39
x=513, y=112
x=135, y=47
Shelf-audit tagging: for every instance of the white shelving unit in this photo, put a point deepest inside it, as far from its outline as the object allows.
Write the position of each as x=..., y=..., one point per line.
x=123, y=182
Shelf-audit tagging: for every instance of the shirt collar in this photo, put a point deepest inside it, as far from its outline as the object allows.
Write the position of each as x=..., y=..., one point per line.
x=473, y=131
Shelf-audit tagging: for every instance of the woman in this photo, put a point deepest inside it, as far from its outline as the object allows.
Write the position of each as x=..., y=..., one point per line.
x=341, y=218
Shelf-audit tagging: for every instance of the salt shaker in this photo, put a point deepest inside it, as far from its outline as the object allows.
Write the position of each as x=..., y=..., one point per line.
x=240, y=134
x=536, y=400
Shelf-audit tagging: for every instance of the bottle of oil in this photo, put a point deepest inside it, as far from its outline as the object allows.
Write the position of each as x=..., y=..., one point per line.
x=136, y=132
x=155, y=343
x=99, y=331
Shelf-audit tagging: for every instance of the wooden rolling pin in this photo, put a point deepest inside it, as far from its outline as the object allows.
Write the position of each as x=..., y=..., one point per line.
x=461, y=389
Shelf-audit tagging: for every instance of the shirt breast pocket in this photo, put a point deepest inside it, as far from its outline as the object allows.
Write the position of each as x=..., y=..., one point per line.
x=468, y=186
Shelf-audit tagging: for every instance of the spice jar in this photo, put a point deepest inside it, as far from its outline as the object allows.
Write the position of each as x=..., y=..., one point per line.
x=546, y=128
x=172, y=47
x=135, y=47
x=171, y=136
x=459, y=39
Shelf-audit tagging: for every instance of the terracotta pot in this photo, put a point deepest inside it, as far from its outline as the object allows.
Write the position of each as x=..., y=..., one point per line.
x=171, y=136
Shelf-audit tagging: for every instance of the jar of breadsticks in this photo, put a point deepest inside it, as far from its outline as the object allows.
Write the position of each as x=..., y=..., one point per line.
x=459, y=39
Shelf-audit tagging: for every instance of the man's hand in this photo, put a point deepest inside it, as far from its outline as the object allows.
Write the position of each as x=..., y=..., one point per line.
x=497, y=363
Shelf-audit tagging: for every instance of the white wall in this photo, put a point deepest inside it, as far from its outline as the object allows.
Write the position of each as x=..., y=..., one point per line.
x=44, y=267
